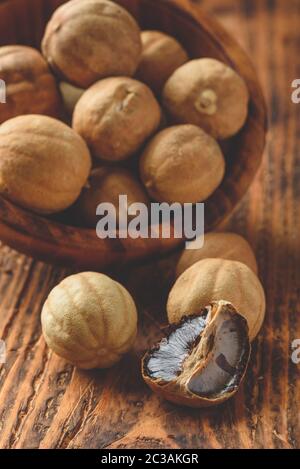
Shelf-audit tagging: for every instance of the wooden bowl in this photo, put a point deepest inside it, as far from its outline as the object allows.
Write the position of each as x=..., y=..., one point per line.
x=23, y=22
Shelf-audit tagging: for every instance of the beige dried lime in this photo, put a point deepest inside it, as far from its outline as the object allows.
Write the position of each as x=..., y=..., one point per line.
x=221, y=245
x=182, y=164
x=30, y=87
x=44, y=164
x=214, y=280
x=161, y=56
x=105, y=185
x=90, y=320
x=115, y=116
x=208, y=93
x=89, y=40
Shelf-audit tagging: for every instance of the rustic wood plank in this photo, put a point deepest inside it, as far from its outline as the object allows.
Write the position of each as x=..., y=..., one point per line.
x=44, y=402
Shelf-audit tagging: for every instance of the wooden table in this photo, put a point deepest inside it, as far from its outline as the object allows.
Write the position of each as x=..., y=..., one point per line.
x=46, y=403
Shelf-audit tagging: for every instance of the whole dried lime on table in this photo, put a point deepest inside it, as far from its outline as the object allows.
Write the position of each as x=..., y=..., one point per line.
x=214, y=280
x=90, y=320
x=220, y=245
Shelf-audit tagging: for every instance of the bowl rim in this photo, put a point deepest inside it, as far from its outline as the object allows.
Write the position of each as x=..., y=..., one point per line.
x=60, y=242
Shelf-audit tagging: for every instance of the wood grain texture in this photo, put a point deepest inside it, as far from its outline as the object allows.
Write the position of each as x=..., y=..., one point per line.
x=49, y=240
x=46, y=403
